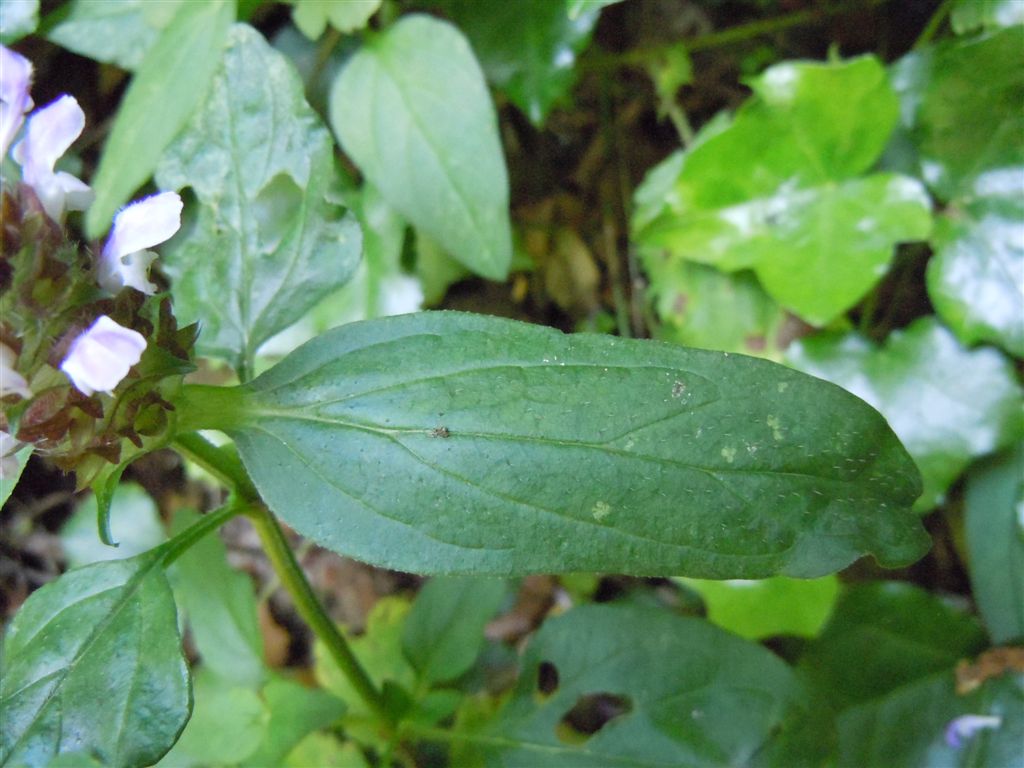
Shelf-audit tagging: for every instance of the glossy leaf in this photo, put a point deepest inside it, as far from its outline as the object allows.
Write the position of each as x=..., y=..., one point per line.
x=444, y=631
x=267, y=243
x=970, y=15
x=883, y=635
x=768, y=607
x=714, y=699
x=976, y=278
x=221, y=608
x=92, y=662
x=908, y=727
x=312, y=16
x=449, y=442
x=295, y=712
x=158, y=104
x=17, y=19
x=779, y=190
x=526, y=48
x=947, y=404
x=225, y=728
x=134, y=522
x=994, y=523
x=413, y=112
x=118, y=33
x=961, y=106
x=700, y=306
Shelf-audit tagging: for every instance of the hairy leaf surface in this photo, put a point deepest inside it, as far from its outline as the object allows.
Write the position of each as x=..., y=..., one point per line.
x=267, y=243
x=448, y=442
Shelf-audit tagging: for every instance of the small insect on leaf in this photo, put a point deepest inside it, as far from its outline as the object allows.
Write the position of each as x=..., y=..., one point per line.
x=440, y=432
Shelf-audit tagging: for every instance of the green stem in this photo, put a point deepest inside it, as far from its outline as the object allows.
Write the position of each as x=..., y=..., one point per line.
x=181, y=543
x=222, y=463
x=933, y=25
x=313, y=613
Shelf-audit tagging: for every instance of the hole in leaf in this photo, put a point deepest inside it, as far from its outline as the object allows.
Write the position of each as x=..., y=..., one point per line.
x=547, y=678
x=590, y=714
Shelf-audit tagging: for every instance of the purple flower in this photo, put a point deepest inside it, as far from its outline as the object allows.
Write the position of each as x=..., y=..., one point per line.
x=15, y=77
x=9, y=446
x=102, y=356
x=51, y=130
x=11, y=382
x=141, y=225
x=964, y=727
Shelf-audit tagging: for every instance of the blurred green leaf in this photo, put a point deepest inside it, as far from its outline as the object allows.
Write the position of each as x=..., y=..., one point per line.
x=450, y=442
x=699, y=306
x=312, y=16
x=325, y=751
x=712, y=698
x=158, y=104
x=994, y=523
x=908, y=726
x=961, y=103
x=444, y=631
x=267, y=243
x=883, y=635
x=12, y=472
x=778, y=189
x=118, y=33
x=295, y=712
x=17, y=19
x=221, y=608
x=947, y=404
x=976, y=278
x=134, y=522
x=412, y=110
x=970, y=15
x=768, y=607
x=527, y=48
x=92, y=663
x=576, y=7
x=227, y=725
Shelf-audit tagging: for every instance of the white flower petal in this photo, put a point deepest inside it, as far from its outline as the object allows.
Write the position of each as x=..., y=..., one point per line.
x=965, y=727
x=11, y=382
x=102, y=356
x=15, y=79
x=143, y=224
x=8, y=461
x=131, y=271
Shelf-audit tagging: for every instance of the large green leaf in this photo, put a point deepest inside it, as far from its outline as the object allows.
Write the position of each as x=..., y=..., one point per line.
x=158, y=104
x=883, y=635
x=994, y=523
x=449, y=442
x=779, y=189
x=92, y=662
x=267, y=243
x=689, y=694
x=947, y=404
x=909, y=726
x=961, y=104
x=444, y=631
x=221, y=608
x=118, y=33
x=412, y=110
x=527, y=48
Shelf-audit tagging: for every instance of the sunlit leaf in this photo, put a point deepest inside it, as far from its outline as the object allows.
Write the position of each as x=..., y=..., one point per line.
x=267, y=242
x=778, y=189
x=312, y=16
x=947, y=404
x=92, y=662
x=412, y=110
x=448, y=442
